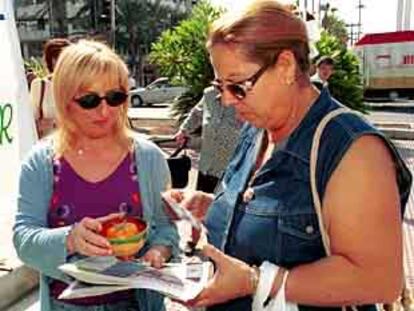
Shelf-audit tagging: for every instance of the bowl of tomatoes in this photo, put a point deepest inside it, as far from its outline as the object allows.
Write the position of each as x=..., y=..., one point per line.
x=126, y=235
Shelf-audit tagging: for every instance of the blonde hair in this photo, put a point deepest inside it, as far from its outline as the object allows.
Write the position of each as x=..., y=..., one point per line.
x=78, y=66
x=262, y=31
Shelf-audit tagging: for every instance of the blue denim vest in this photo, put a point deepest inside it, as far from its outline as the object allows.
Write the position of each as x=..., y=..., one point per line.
x=280, y=224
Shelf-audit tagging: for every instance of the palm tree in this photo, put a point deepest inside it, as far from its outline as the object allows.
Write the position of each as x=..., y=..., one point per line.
x=58, y=18
x=86, y=16
x=139, y=23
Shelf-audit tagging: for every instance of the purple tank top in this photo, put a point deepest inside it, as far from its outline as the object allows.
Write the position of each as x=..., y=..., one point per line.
x=74, y=198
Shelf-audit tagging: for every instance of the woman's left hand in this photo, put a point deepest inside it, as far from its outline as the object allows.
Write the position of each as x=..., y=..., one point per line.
x=157, y=255
x=232, y=279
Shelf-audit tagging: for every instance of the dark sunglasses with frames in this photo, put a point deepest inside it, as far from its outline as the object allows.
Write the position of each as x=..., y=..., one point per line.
x=113, y=98
x=240, y=89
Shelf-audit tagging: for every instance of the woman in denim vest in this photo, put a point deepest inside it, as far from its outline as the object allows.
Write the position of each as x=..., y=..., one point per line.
x=264, y=215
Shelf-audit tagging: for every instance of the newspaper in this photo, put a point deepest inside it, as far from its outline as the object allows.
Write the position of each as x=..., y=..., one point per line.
x=102, y=275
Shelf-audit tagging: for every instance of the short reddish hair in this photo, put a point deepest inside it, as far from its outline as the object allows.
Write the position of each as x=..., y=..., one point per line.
x=263, y=30
x=52, y=50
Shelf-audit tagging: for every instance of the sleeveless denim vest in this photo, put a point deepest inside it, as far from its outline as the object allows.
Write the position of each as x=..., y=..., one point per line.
x=280, y=224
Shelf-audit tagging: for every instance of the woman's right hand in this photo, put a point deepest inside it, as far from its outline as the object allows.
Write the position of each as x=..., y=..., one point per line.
x=232, y=279
x=197, y=202
x=85, y=238
x=181, y=137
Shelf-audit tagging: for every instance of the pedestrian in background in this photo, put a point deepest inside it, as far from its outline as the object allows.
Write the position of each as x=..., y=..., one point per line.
x=323, y=223
x=132, y=83
x=90, y=167
x=219, y=135
x=30, y=76
x=41, y=93
x=325, y=68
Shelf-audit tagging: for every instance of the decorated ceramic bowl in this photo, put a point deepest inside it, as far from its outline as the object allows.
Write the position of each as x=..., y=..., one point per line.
x=126, y=235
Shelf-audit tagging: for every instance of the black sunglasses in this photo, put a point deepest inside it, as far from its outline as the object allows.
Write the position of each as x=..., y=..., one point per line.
x=240, y=89
x=114, y=98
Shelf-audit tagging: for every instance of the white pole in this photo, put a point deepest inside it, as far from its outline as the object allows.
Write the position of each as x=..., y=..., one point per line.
x=302, y=8
x=400, y=10
x=407, y=15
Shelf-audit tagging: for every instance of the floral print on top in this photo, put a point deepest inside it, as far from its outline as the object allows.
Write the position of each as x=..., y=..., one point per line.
x=74, y=198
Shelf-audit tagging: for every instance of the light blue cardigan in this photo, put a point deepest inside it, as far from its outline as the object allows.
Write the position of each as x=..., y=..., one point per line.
x=44, y=249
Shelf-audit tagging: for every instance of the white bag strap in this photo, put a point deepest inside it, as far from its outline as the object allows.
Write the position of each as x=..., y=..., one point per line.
x=313, y=162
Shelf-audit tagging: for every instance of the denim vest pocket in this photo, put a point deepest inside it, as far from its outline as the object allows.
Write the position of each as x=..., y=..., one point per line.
x=299, y=238
x=218, y=218
x=263, y=208
x=253, y=233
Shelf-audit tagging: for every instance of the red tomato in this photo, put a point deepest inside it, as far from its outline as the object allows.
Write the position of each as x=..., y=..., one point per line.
x=122, y=228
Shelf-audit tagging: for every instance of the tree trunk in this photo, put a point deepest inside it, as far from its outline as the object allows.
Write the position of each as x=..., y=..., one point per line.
x=58, y=18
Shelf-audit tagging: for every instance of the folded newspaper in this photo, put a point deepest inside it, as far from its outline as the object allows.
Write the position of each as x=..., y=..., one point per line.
x=102, y=275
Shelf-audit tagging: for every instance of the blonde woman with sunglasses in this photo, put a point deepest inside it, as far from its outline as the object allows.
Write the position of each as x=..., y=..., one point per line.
x=274, y=247
x=91, y=170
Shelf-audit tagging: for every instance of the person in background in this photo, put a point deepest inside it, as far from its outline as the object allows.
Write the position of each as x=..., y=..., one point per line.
x=90, y=170
x=30, y=76
x=267, y=234
x=41, y=88
x=325, y=68
x=220, y=133
x=132, y=83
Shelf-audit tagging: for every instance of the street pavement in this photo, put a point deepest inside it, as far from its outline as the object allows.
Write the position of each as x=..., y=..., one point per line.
x=157, y=112
x=401, y=119
x=30, y=302
x=406, y=149
x=7, y=252
x=157, y=120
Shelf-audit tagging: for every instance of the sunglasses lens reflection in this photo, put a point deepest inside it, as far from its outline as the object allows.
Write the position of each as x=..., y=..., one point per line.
x=116, y=98
x=89, y=101
x=237, y=91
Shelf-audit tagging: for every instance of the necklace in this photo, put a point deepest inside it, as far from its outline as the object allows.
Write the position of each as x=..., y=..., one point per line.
x=248, y=194
x=263, y=153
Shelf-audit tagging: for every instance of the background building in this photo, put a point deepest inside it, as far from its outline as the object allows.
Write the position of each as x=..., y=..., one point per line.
x=129, y=25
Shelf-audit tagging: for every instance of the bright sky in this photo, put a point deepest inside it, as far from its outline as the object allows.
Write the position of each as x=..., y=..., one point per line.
x=377, y=16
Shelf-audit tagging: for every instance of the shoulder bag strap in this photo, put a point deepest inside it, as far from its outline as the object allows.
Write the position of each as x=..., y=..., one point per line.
x=313, y=161
x=42, y=95
x=179, y=149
